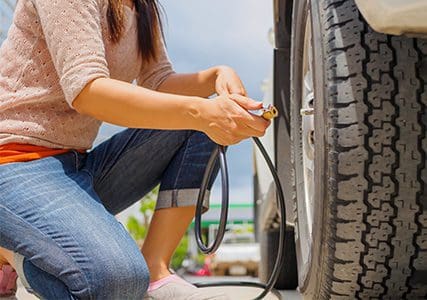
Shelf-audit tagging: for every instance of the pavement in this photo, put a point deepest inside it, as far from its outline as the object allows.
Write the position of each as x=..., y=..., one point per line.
x=243, y=293
x=234, y=292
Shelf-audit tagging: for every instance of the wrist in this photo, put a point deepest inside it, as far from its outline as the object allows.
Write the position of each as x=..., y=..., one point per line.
x=209, y=78
x=196, y=107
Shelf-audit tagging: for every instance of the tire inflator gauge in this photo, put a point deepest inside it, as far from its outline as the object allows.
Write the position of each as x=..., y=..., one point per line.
x=269, y=113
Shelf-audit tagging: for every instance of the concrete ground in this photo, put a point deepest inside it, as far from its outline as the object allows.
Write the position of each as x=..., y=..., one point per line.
x=243, y=293
x=240, y=293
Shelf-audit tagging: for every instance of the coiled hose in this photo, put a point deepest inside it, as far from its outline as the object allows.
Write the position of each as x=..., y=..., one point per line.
x=219, y=154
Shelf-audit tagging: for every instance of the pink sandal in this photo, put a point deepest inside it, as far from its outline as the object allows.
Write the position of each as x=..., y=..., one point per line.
x=8, y=278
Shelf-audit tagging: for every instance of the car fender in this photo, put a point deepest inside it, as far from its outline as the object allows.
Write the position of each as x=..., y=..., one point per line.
x=395, y=17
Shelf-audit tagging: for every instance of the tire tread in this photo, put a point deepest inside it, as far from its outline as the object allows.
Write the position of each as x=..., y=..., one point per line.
x=377, y=120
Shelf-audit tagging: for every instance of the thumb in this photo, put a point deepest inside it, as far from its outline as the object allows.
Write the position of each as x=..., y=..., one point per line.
x=245, y=102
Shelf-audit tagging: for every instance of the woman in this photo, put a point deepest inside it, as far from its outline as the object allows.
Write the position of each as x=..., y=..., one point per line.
x=65, y=67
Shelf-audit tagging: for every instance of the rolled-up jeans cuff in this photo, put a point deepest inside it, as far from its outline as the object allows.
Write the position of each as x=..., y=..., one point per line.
x=19, y=264
x=181, y=198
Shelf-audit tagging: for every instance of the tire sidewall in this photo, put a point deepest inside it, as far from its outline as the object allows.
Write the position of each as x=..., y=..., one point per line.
x=310, y=272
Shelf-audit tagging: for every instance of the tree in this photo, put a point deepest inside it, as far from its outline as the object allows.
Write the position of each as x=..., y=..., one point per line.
x=147, y=206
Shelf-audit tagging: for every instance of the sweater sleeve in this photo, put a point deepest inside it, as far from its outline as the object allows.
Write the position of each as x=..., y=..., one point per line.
x=73, y=33
x=152, y=74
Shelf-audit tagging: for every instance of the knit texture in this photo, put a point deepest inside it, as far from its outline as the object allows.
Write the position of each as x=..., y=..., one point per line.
x=53, y=49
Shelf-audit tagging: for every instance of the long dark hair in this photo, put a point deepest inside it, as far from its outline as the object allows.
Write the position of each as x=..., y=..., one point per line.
x=150, y=27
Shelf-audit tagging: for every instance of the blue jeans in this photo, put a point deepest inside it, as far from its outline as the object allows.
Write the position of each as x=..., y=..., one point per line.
x=57, y=213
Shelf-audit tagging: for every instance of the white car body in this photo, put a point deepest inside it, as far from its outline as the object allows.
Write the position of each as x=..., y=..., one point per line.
x=395, y=16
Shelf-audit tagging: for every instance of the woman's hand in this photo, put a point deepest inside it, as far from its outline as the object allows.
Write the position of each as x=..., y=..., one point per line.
x=229, y=122
x=228, y=82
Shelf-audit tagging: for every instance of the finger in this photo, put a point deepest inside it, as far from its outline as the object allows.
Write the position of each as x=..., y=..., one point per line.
x=230, y=141
x=257, y=123
x=236, y=89
x=222, y=90
x=244, y=130
x=245, y=93
x=245, y=102
x=243, y=89
x=237, y=139
x=251, y=132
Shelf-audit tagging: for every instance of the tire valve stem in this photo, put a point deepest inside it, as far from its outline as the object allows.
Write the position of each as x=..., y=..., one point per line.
x=268, y=112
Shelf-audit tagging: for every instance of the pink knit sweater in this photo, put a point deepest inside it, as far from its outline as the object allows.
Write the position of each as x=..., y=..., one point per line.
x=53, y=49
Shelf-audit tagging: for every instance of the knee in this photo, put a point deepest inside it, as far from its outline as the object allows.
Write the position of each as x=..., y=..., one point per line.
x=201, y=140
x=113, y=276
x=119, y=278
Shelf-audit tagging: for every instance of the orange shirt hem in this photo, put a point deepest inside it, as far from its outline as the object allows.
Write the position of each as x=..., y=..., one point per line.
x=15, y=152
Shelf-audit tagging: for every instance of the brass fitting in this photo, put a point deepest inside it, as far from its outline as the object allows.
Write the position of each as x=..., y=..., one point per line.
x=268, y=112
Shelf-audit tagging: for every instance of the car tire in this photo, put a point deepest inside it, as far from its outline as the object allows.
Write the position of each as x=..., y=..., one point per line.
x=369, y=208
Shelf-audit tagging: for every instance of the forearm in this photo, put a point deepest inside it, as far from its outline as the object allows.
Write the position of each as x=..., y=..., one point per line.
x=127, y=105
x=201, y=84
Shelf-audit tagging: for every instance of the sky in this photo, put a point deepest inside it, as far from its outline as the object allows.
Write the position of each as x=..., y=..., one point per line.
x=204, y=33
x=6, y=11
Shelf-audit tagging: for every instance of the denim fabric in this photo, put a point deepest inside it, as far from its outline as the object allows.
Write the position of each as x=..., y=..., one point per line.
x=57, y=213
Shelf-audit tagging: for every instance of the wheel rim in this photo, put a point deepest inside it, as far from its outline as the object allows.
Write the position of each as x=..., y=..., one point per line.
x=306, y=199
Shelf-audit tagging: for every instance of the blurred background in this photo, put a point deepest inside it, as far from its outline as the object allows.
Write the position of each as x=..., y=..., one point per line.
x=201, y=34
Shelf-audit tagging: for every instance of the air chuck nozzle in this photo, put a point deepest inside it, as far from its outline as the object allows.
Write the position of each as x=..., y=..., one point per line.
x=268, y=112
